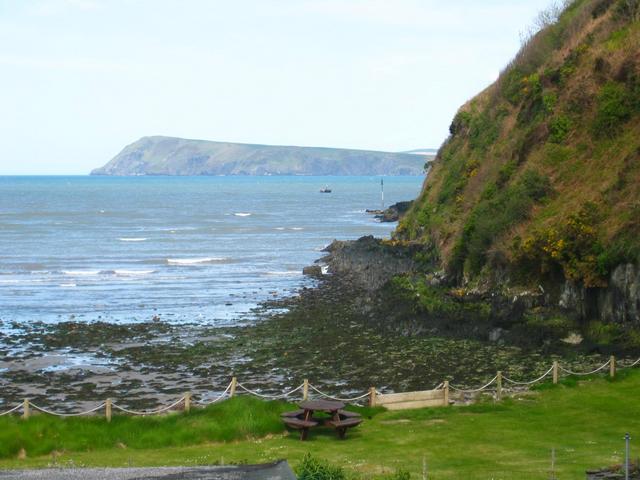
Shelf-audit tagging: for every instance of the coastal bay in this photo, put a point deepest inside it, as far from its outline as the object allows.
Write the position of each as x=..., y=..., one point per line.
x=320, y=334
x=95, y=269
x=192, y=320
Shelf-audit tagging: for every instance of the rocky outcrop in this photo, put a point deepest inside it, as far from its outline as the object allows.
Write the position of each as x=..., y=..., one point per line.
x=395, y=212
x=619, y=302
x=497, y=313
x=370, y=262
x=312, y=271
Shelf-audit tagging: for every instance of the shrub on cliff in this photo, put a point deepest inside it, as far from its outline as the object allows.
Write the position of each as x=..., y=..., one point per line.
x=574, y=249
x=492, y=215
x=559, y=128
x=614, y=109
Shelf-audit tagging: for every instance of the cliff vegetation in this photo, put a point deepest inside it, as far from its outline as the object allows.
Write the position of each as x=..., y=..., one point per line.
x=538, y=185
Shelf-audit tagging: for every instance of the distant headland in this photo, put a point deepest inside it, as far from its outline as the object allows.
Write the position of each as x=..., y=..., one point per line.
x=160, y=155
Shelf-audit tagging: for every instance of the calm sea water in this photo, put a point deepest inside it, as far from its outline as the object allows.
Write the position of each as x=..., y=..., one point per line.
x=190, y=249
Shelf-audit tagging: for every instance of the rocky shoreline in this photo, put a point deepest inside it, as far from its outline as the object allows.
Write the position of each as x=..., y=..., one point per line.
x=346, y=334
x=403, y=289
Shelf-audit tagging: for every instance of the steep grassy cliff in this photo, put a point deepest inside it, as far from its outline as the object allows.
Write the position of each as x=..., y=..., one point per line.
x=540, y=177
x=531, y=209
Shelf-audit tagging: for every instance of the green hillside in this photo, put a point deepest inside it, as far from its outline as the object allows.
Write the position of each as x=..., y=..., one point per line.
x=540, y=177
x=160, y=155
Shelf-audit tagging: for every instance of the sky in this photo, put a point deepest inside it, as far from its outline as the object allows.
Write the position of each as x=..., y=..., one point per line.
x=80, y=79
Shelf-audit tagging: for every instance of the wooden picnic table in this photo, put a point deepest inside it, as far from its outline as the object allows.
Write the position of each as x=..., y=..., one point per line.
x=303, y=419
x=327, y=406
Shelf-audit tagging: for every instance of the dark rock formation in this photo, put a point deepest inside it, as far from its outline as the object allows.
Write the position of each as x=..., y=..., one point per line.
x=369, y=261
x=394, y=213
x=619, y=302
x=312, y=271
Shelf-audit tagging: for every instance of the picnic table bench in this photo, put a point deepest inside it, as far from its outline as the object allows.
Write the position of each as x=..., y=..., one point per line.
x=300, y=424
x=341, y=426
x=348, y=414
x=292, y=414
x=303, y=419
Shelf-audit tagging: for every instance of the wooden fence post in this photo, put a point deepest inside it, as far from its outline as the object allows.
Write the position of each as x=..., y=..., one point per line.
x=305, y=389
x=612, y=366
x=555, y=371
x=25, y=409
x=107, y=409
x=499, y=386
x=372, y=396
x=234, y=383
x=187, y=402
x=446, y=393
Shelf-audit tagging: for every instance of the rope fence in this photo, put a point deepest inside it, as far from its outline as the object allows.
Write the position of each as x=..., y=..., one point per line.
x=475, y=390
x=586, y=373
x=270, y=397
x=17, y=407
x=338, y=399
x=541, y=377
x=219, y=397
x=234, y=388
x=150, y=412
x=632, y=365
x=59, y=414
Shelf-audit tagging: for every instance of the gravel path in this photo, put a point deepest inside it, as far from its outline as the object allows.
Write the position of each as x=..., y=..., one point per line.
x=274, y=471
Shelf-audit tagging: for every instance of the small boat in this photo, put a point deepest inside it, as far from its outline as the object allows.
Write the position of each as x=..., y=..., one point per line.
x=326, y=189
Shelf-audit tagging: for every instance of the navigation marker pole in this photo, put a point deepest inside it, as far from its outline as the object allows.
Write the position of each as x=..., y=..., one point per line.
x=382, y=192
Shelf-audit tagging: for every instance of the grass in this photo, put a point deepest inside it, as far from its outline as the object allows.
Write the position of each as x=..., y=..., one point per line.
x=240, y=417
x=584, y=421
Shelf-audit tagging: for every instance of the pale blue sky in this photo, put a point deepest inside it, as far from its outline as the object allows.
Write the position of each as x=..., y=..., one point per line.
x=80, y=79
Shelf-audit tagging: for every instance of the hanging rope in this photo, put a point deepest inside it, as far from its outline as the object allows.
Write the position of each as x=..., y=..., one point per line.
x=337, y=398
x=59, y=414
x=271, y=397
x=515, y=382
x=148, y=412
x=587, y=373
x=219, y=397
x=17, y=407
x=476, y=389
x=630, y=366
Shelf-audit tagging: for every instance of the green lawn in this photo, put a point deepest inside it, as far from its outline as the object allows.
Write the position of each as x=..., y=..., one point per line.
x=584, y=421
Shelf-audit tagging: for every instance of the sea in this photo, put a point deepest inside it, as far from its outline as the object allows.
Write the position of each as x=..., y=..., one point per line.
x=203, y=250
